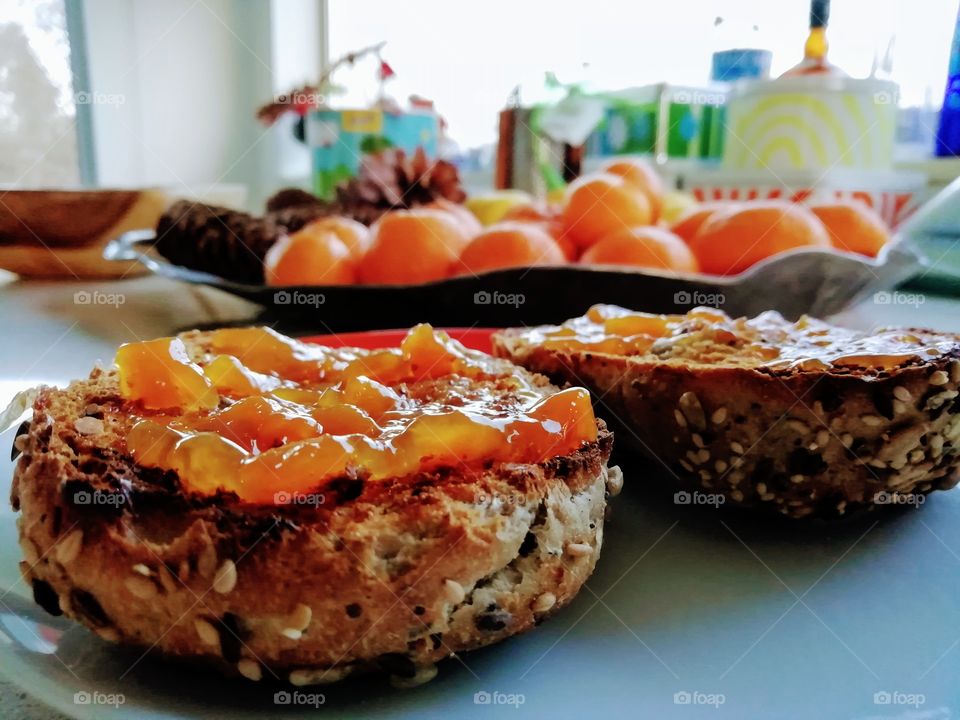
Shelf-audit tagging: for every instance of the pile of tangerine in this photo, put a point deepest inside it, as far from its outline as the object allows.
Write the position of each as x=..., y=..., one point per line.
x=612, y=218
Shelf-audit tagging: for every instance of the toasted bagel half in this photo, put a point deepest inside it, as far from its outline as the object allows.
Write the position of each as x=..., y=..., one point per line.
x=805, y=419
x=378, y=572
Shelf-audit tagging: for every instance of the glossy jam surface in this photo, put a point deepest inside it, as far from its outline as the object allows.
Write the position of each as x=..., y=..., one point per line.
x=709, y=336
x=273, y=419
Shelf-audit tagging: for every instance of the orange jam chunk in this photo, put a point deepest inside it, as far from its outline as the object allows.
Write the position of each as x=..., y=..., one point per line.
x=296, y=468
x=424, y=354
x=388, y=366
x=264, y=350
x=201, y=457
x=340, y=418
x=291, y=417
x=565, y=422
x=598, y=313
x=230, y=377
x=636, y=324
x=600, y=343
x=372, y=397
x=160, y=375
x=451, y=438
x=616, y=330
x=259, y=423
x=151, y=443
x=708, y=314
x=432, y=354
x=298, y=395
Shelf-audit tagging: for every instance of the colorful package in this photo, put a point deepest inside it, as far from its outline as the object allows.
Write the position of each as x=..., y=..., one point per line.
x=339, y=139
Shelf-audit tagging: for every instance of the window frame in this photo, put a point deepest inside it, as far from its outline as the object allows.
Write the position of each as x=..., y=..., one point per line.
x=80, y=81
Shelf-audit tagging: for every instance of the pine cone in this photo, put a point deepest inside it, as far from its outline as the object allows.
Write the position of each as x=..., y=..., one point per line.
x=387, y=180
x=289, y=198
x=292, y=208
x=295, y=217
x=216, y=240
x=390, y=180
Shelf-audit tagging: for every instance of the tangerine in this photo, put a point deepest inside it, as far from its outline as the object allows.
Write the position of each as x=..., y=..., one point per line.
x=641, y=174
x=310, y=256
x=601, y=203
x=355, y=235
x=413, y=246
x=510, y=244
x=642, y=246
x=689, y=222
x=732, y=240
x=466, y=218
x=536, y=211
x=853, y=226
x=549, y=217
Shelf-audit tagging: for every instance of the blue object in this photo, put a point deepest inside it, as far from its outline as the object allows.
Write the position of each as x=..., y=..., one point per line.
x=948, y=133
x=740, y=63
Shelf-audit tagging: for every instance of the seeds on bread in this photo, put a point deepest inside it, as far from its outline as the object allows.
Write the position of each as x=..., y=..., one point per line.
x=804, y=419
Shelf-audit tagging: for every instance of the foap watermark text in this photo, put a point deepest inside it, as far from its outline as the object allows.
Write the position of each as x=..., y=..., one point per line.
x=894, y=498
x=683, y=497
x=896, y=697
x=99, y=499
x=484, y=297
x=85, y=697
x=696, y=697
x=296, y=697
x=301, y=98
x=298, y=498
x=95, y=297
x=297, y=297
x=698, y=298
x=495, y=697
x=896, y=297
x=85, y=97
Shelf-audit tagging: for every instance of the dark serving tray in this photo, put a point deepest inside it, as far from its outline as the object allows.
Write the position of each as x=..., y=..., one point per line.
x=816, y=282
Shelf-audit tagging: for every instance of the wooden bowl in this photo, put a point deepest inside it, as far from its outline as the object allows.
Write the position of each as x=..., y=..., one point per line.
x=62, y=233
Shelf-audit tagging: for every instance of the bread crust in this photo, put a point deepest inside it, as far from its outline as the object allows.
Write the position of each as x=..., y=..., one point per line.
x=798, y=442
x=394, y=575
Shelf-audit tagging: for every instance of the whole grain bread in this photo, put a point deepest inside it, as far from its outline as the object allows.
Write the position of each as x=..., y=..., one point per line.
x=392, y=576
x=798, y=436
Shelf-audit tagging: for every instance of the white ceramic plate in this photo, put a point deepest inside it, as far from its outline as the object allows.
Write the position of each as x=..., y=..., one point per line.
x=690, y=604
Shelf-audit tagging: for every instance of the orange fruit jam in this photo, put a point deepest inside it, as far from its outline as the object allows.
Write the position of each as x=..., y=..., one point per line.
x=270, y=418
x=707, y=336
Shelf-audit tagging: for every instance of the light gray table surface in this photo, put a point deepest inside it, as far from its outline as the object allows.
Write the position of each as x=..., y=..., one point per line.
x=772, y=619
